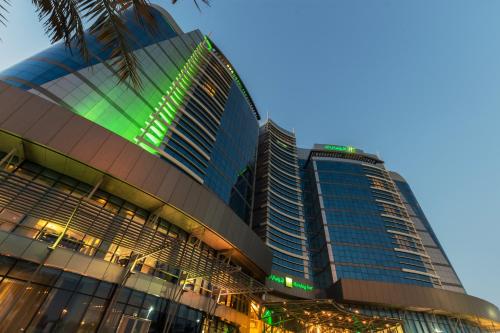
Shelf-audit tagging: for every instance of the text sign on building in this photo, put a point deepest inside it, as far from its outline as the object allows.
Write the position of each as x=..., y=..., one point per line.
x=347, y=149
x=288, y=282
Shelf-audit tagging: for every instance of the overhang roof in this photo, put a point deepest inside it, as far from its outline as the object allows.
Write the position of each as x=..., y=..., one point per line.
x=55, y=137
x=324, y=314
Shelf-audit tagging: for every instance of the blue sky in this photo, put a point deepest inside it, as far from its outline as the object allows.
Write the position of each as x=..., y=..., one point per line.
x=416, y=81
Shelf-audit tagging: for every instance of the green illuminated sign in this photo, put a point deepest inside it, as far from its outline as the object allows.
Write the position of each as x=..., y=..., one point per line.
x=267, y=317
x=288, y=282
x=347, y=149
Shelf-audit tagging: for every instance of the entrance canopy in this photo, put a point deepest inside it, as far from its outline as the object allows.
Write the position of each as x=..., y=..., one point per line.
x=322, y=316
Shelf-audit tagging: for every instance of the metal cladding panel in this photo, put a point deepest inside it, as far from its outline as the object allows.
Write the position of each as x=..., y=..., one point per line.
x=127, y=172
x=55, y=118
x=410, y=297
x=108, y=152
x=68, y=135
x=16, y=99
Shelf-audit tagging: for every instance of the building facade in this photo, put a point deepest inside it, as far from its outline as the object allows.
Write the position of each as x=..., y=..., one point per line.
x=358, y=218
x=125, y=206
x=279, y=217
x=190, y=102
x=166, y=208
x=371, y=250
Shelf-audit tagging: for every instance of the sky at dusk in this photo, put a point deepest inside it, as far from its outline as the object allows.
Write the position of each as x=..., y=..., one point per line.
x=417, y=82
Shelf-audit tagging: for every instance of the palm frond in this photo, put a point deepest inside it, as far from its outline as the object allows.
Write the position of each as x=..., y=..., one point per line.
x=3, y=11
x=62, y=21
x=144, y=14
x=110, y=30
x=206, y=2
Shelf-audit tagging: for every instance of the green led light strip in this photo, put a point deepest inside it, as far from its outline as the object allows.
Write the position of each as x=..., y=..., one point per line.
x=288, y=282
x=156, y=126
x=347, y=149
x=234, y=75
x=208, y=44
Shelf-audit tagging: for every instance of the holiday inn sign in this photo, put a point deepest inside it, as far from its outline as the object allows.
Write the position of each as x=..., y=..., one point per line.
x=288, y=282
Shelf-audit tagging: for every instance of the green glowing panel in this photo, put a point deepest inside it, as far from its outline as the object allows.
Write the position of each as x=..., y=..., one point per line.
x=276, y=278
x=267, y=317
x=142, y=117
x=347, y=149
x=289, y=282
x=156, y=125
x=208, y=43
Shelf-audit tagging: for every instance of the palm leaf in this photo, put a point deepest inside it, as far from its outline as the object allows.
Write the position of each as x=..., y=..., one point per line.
x=3, y=11
x=206, y=2
x=110, y=30
x=62, y=21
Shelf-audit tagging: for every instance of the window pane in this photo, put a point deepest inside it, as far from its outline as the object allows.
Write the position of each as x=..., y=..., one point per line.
x=104, y=290
x=114, y=317
x=5, y=264
x=20, y=303
x=87, y=286
x=54, y=307
x=76, y=308
x=92, y=316
x=68, y=281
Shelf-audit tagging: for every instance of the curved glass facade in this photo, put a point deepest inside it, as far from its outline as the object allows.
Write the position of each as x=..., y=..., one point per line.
x=97, y=234
x=190, y=103
x=359, y=225
x=278, y=216
x=440, y=261
x=34, y=206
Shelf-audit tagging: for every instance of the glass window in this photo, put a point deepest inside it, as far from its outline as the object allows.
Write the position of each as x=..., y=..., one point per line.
x=5, y=264
x=8, y=215
x=104, y=290
x=76, y=308
x=123, y=295
x=136, y=298
x=94, y=313
x=54, y=307
x=18, y=303
x=87, y=285
x=68, y=281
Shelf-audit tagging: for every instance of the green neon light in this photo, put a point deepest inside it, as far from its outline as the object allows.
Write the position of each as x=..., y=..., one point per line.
x=288, y=282
x=157, y=124
x=133, y=119
x=267, y=317
x=234, y=75
x=347, y=149
x=209, y=44
x=276, y=278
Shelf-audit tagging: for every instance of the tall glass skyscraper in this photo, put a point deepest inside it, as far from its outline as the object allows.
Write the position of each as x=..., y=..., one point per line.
x=358, y=218
x=129, y=209
x=371, y=249
x=440, y=262
x=190, y=103
x=279, y=217
x=168, y=209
